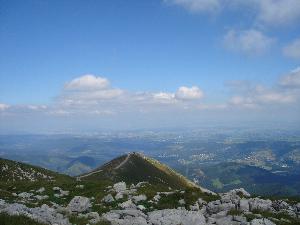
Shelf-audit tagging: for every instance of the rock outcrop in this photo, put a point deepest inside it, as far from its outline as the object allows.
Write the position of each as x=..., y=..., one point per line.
x=79, y=204
x=43, y=214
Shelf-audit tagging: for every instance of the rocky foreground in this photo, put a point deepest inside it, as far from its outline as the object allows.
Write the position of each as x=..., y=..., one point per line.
x=128, y=206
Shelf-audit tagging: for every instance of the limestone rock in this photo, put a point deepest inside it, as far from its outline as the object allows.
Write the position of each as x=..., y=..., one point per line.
x=139, y=198
x=25, y=195
x=262, y=221
x=119, y=187
x=119, y=196
x=79, y=204
x=43, y=214
x=243, y=205
x=126, y=217
x=41, y=197
x=108, y=198
x=127, y=205
x=280, y=205
x=217, y=206
x=260, y=204
x=141, y=207
x=175, y=217
x=195, y=207
x=41, y=190
x=181, y=202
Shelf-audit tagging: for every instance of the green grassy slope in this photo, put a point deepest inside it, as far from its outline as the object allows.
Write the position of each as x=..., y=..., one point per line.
x=16, y=171
x=17, y=220
x=9, y=187
x=135, y=168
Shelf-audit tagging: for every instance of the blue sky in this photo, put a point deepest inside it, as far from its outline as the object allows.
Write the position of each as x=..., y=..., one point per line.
x=173, y=54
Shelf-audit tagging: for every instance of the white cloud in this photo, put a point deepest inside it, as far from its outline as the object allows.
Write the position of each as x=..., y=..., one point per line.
x=265, y=12
x=197, y=6
x=274, y=97
x=242, y=101
x=92, y=90
x=164, y=97
x=3, y=106
x=59, y=112
x=262, y=99
x=292, y=50
x=36, y=107
x=285, y=91
x=89, y=89
x=247, y=41
x=278, y=12
x=186, y=93
x=97, y=95
x=291, y=80
x=113, y=103
x=87, y=82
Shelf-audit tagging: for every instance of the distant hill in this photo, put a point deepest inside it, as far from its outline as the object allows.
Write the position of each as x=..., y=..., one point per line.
x=223, y=177
x=79, y=165
x=135, y=167
x=12, y=171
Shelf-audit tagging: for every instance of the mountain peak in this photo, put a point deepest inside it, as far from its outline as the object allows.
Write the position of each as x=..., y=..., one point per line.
x=135, y=167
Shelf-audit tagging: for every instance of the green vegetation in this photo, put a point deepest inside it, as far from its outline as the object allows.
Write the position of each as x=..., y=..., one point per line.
x=234, y=212
x=136, y=168
x=191, y=195
x=171, y=198
x=223, y=177
x=173, y=188
x=278, y=218
x=235, y=182
x=17, y=220
x=16, y=171
x=84, y=221
x=217, y=183
x=161, y=179
x=170, y=201
x=23, y=220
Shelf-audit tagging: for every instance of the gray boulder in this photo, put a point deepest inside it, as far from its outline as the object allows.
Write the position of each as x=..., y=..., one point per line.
x=243, y=205
x=79, y=204
x=120, y=187
x=138, y=198
x=125, y=217
x=92, y=216
x=297, y=208
x=108, y=198
x=43, y=214
x=260, y=204
x=175, y=217
x=217, y=206
x=127, y=205
x=262, y=221
x=240, y=219
x=280, y=205
x=234, y=196
x=227, y=220
x=119, y=196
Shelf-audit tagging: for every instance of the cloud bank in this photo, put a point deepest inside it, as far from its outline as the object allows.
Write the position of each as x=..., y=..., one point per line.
x=247, y=41
x=196, y=6
x=266, y=12
x=95, y=92
x=292, y=50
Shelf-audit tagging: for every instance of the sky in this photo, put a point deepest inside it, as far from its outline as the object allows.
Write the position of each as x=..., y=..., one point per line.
x=72, y=66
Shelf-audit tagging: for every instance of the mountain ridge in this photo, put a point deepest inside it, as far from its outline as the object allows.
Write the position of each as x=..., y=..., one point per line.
x=133, y=167
x=100, y=198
